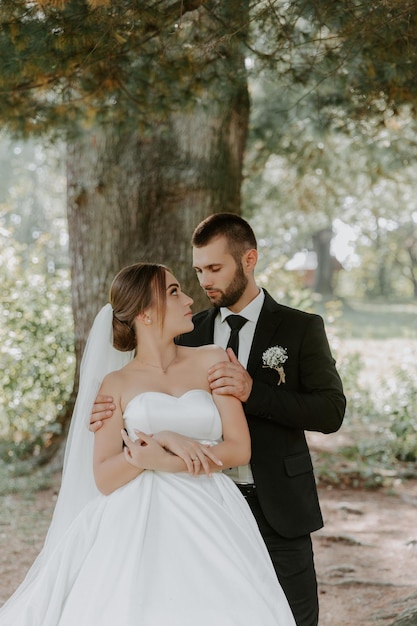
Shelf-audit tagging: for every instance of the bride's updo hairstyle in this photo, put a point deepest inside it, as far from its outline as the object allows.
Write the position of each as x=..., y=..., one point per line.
x=135, y=289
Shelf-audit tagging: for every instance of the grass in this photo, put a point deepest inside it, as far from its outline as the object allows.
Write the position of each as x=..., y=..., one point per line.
x=375, y=346
x=370, y=320
x=17, y=478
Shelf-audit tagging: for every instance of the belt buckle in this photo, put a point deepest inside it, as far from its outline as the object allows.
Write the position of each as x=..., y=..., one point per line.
x=247, y=489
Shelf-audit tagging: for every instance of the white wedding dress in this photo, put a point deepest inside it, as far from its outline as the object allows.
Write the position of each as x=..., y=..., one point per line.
x=164, y=550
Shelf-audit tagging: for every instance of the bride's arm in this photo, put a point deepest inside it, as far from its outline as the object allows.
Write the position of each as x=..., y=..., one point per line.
x=112, y=464
x=180, y=454
x=233, y=450
x=197, y=456
x=110, y=468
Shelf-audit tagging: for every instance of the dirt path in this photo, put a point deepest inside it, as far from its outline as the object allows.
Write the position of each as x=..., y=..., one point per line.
x=366, y=556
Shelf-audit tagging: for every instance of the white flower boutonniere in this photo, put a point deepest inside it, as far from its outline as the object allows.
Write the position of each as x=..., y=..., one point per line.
x=274, y=358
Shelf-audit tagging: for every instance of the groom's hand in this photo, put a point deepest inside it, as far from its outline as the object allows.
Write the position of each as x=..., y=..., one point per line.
x=103, y=408
x=230, y=378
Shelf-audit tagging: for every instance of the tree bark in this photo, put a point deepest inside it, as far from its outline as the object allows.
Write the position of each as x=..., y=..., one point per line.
x=133, y=197
x=137, y=195
x=323, y=282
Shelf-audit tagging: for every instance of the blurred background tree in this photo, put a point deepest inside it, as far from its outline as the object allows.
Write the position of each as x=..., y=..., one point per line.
x=36, y=325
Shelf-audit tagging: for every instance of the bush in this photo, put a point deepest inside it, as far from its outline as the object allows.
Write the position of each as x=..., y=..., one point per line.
x=401, y=409
x=37, y=359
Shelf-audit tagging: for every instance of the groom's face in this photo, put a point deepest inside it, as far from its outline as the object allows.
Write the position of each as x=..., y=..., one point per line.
x=221, y=277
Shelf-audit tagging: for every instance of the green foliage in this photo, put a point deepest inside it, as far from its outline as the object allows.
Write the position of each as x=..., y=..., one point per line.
x=36, y=355
x=382, y=428
x=360, y=401
x=377, y=38
x=401, y=410
x=32, y=199
x=23, y=476
x=381, y=422
x=33, y=391
x=312, y=164
x=379, y=433
x=72, y=64
x=284, y=286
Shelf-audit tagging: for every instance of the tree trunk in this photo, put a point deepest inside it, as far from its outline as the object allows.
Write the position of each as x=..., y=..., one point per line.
x=133, y=198
x=323, y=282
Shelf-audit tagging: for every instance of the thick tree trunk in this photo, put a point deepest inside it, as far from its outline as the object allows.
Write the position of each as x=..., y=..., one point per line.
x=131, y=199
x=134, y=196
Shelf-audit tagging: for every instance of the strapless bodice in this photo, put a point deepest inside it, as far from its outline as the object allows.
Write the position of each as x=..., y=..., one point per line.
x=193, y=414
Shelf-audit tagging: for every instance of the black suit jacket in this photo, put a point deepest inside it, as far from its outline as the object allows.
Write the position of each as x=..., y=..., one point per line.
x=310, y=399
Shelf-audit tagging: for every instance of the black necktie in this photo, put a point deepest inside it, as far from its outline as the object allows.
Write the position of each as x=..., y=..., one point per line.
x=235, y=322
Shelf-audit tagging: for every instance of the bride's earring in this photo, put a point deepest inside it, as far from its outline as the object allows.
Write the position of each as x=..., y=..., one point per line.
x=144, y=318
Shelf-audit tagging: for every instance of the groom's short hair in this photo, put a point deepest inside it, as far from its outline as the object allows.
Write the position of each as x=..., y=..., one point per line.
x=238, y=233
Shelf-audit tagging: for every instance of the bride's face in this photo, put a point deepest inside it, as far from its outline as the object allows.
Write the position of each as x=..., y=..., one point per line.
x=178, y=316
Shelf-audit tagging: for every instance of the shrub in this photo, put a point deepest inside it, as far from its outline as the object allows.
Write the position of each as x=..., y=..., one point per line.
x=36, y=353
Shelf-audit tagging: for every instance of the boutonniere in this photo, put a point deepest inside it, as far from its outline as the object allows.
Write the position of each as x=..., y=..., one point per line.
x=275, y=358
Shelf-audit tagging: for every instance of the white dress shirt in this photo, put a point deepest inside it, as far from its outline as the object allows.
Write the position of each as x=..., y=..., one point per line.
x=251, y=312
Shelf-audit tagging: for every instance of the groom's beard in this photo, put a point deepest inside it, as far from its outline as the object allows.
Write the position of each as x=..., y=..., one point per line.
x=233, y=292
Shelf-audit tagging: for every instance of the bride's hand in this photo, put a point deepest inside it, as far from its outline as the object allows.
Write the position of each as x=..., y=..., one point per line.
x=194, y=454
x=144, y=452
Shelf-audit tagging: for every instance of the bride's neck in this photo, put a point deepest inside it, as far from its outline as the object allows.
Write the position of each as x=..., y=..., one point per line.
x=157, y=357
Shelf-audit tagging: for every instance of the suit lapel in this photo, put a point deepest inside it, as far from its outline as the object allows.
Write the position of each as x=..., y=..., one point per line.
x=268, y=322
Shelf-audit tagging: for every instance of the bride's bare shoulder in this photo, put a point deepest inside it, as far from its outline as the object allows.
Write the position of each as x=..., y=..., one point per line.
x=209, y=354
x=113, y=378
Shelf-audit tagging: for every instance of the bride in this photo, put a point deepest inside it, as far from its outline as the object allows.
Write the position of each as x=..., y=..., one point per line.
x=147, y=530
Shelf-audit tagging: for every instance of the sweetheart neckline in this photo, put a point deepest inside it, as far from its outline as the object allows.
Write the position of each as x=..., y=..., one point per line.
x=163, y=393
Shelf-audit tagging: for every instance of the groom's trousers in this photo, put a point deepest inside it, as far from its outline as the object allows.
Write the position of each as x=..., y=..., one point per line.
x=294, y=565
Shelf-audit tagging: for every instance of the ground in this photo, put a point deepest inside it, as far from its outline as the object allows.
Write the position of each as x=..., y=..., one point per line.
x=366, y=555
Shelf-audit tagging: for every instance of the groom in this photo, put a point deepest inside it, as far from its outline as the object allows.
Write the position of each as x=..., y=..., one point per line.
x=300, y=391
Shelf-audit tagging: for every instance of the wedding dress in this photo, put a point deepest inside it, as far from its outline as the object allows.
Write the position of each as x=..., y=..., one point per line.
x=163, y=550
